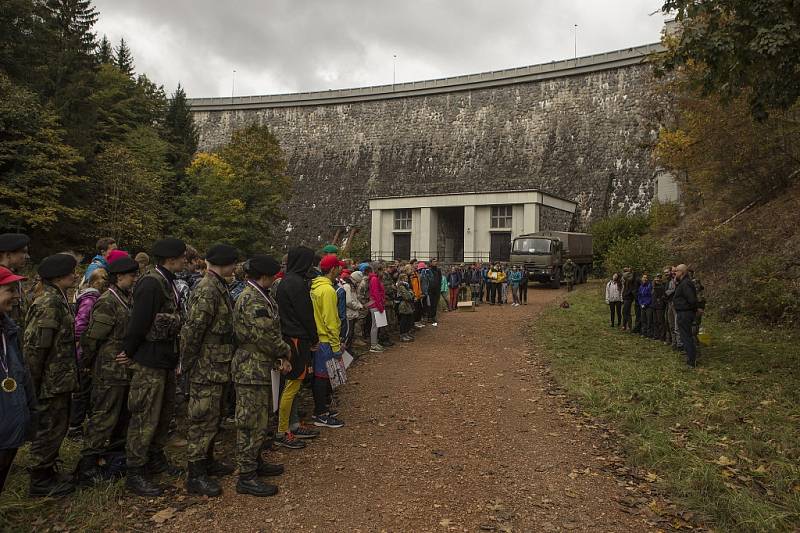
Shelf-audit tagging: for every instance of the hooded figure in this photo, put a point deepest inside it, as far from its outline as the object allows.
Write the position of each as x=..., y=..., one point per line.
x=296, y=310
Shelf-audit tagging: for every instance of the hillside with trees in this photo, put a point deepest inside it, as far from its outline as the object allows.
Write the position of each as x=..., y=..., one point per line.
x=90, y=147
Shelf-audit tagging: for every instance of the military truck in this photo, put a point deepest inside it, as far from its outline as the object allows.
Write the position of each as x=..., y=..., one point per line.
x=542, y=255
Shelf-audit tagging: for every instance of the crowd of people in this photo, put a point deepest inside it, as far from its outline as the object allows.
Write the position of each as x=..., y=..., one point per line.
x=104, y=355
x=667, y=308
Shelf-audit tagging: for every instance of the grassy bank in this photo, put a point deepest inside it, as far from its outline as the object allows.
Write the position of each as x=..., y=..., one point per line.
x=724, y=438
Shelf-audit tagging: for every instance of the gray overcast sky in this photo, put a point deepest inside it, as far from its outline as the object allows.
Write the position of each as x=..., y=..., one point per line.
x=279, y=46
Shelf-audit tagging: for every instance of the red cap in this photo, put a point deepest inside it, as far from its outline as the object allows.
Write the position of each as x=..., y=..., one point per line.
x=345, y=273
x=330, y=261
x=115, y=255
x=6, y=276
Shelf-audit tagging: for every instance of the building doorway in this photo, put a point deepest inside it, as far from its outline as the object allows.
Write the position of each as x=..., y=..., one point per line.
x=402, y=246
x=450, y=234
x=500, y=248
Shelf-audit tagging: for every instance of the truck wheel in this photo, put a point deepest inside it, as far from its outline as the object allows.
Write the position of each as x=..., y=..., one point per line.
x=556, y=282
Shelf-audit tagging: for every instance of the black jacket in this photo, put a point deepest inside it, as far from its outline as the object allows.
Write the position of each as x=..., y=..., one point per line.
x=294, y=297
x=685, y=297
x=149, y=299
x=436, y=278
x=659, y=296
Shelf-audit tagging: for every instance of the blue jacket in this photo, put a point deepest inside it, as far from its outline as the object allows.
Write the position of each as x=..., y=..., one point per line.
x=341, y=307
x=485, y=274
x=98, y=262
x=516, y=277
x=16, y=408
x=454, y=280
x=645, y=295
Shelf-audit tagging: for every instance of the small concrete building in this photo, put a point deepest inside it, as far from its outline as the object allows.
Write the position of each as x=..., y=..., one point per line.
x=462, y=227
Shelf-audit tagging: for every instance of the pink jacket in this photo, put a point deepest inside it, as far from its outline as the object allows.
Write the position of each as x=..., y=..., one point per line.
x=376, y=293
x=85, y=303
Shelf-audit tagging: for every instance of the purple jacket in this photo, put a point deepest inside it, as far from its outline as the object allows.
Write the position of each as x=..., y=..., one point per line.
x=84, y=304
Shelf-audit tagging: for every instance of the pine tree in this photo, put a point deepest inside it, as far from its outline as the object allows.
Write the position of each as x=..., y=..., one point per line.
x=36, y=167
x=70, y=68
x=123, y=58
x=181, y=131
x=105, y=52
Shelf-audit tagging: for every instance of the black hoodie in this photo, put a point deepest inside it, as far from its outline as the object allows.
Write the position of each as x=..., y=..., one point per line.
x=294, y=297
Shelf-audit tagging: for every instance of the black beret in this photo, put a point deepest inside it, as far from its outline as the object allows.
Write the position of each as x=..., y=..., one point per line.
x=123, y=265
x=222, y=255
x=11, y=242
x=262, y=265
x=56, y=266
x=169, y=247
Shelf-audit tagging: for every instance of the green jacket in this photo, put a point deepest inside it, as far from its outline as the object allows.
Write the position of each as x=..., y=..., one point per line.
x=207, y=341
x=103, y=339
x=50, y=344
x=257, y=326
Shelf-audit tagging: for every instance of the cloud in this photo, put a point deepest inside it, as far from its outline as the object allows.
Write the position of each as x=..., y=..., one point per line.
x=280, y=46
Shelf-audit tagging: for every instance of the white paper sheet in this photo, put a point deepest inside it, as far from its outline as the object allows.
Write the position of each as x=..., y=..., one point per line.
x=347, y=358
x=380, y=319
x=276, y=388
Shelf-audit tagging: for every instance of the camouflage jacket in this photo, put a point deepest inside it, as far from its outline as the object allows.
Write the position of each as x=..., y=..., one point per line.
x=258, y=335
x=20, y=308
x=50, y=344
x=207, y=341
x=569, y=271
x=389, y=287
x=102, y=341
x=406, y=299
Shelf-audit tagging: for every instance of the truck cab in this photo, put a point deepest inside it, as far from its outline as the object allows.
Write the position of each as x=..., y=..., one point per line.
x=541, y=255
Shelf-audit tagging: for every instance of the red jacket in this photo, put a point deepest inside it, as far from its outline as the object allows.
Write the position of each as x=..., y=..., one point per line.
x=376, y=293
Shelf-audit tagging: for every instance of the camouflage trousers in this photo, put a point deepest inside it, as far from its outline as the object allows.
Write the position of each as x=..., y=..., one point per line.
x=204, y=410
x=53, y=421
x=108, y=423
x=252, y=419
x=151, y=402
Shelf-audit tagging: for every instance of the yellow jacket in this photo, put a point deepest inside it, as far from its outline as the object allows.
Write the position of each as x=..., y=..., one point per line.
x=326, y=312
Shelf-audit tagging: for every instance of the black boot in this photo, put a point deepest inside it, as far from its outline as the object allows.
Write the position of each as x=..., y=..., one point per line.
x=217, y=468
x=250, y=484
x=88, y=472
x=158, y=464
x=45, y=482
x=266, y=469
x=198, y=481
x=136, y=483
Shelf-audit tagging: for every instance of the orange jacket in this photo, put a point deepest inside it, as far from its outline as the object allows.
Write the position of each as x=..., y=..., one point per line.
x=415, y=286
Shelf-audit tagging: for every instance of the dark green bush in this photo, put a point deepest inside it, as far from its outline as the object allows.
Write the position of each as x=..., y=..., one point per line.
x=614, y=227
x=642, y=254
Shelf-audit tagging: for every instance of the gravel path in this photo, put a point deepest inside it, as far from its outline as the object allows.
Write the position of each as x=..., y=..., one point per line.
x=456, y=431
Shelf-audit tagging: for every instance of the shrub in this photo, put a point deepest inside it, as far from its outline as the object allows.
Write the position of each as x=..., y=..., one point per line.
x=642, y=254
x=764, y=289
x=662, y=216
x=606, y=231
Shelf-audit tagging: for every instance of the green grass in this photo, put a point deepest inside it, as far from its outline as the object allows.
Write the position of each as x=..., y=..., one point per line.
x=724, y=438
x=86, y=510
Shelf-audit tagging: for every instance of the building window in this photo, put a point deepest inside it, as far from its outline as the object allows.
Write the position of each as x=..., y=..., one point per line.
x=402, y=219
x=501, y=217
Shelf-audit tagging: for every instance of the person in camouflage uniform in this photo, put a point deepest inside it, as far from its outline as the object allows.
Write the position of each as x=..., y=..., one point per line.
x=569, y=270
x=152, y=343
x=207, y=346
x=49, y=348
x=261, y=348
x=101, y=348
x=14, y=256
